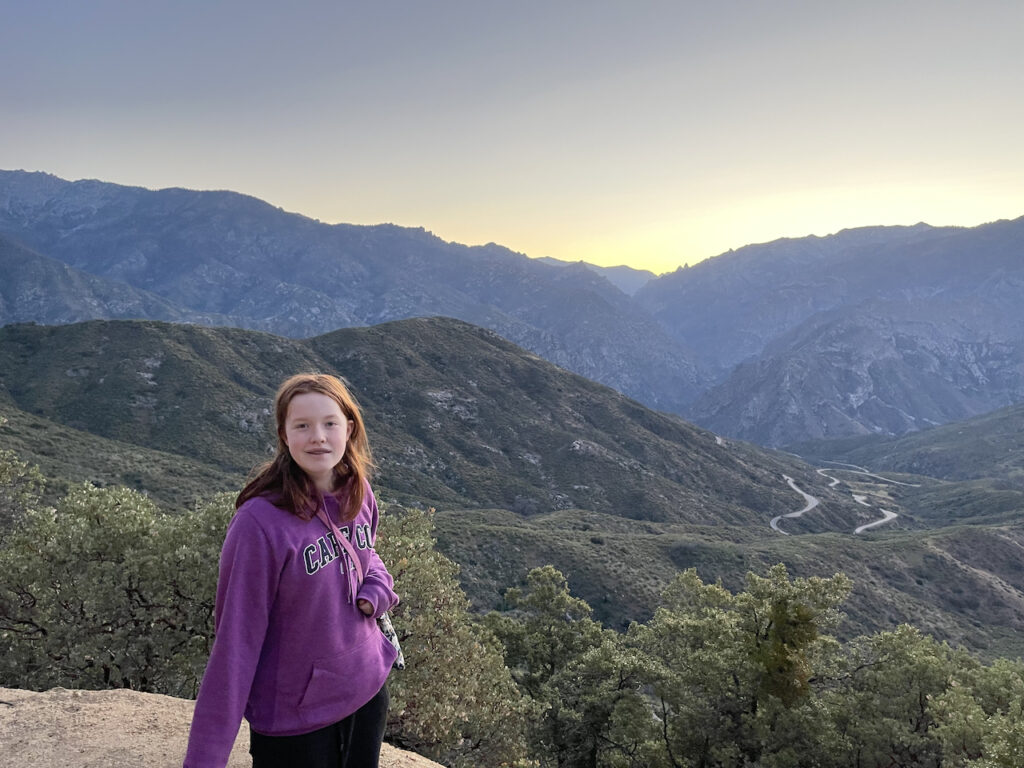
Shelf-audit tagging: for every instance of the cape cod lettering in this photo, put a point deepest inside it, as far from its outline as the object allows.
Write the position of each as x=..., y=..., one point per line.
x=316, y=556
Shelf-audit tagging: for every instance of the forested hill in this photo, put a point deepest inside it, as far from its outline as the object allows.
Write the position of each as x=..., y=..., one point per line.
x=459, y=416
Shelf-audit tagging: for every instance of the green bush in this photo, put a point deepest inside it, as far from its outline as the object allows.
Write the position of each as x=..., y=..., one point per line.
x=106, y=591
x=455, y=702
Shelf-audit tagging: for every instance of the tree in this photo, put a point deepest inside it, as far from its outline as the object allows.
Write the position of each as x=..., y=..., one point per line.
x=577, y=674
x=979, y=716
x=1003, y=740
x=455, y=702
x=733, y=674
x=104, y=591
x=21, y=489
x=883, y=701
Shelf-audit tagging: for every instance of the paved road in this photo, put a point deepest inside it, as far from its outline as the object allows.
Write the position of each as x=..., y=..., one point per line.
x=813, y=501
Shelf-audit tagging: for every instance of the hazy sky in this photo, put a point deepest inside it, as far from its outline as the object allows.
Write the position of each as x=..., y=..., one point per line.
x=646, y=133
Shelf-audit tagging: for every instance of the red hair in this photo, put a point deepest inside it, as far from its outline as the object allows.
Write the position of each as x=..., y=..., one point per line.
x=285, y=480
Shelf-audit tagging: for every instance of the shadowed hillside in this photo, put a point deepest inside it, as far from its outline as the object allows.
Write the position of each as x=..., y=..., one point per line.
x=459, y=416
x=987, y=446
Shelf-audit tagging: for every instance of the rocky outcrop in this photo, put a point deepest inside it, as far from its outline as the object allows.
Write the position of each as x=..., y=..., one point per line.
x=875, y=369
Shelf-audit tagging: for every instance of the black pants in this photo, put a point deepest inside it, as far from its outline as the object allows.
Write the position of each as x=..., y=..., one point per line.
x=350, y=743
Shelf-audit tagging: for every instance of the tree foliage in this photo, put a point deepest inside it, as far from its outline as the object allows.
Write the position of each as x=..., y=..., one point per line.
x=576, y=672
x=756, y=678
x=106, y=591
x=733, y=675
x=455, y=702
x=21, y=488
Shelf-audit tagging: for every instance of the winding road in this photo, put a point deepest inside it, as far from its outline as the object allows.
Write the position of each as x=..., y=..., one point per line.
x=861, y=471
x=888, y=515
x=813, y=501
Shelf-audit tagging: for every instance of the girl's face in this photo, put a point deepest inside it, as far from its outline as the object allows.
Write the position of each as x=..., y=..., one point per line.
x=316, y=433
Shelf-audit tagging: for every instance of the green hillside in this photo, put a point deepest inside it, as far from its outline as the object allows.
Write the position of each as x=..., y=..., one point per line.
x=68, y=456
x=458, y=416
x=987, y=446
x=965, y=584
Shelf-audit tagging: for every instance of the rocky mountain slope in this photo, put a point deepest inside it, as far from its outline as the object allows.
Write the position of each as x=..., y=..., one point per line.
x=460, y=417
x=879, y=330
x=731, y=307
x=36, y=288
x=225, y=254
x=881, y=367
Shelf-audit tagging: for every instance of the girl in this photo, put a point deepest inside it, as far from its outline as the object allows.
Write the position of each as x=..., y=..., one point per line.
x=297, y=648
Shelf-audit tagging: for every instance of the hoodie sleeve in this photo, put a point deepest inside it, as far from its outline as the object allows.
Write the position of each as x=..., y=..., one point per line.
x=246, y=586
x=377, y=582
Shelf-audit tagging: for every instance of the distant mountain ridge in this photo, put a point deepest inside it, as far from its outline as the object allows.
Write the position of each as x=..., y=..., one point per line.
x=627, y=279
x=221, y=254
x=39, y=289
x=878, y=330
x=733, y=305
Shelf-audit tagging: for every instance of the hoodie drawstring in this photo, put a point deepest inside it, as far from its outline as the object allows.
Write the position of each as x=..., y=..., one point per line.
x=344, y=558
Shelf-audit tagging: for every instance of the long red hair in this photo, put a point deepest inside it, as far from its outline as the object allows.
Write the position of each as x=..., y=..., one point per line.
x=285, y=481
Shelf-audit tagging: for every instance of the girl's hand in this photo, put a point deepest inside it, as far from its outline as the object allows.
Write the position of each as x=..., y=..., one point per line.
x=365, y=606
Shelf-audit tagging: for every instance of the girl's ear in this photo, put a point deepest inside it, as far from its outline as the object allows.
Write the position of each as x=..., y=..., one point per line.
x=351, y=426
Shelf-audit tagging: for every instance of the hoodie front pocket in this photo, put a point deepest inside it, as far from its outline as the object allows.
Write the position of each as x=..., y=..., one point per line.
x=341, y=684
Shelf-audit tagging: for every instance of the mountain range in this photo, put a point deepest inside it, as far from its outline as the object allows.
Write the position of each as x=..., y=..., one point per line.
x=875, y=331
x=879, y=330
x=234, y=260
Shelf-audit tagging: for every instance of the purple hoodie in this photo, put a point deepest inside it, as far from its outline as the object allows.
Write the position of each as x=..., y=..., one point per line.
x=292, y=651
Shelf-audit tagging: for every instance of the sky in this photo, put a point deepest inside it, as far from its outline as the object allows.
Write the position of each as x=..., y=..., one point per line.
x=653, y=134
